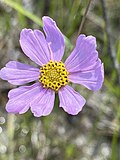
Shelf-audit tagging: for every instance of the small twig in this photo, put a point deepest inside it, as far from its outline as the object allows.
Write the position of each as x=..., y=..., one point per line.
x=110, y=46
x=84, y=17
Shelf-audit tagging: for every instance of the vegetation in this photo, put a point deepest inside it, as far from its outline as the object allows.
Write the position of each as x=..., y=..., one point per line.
x=94, y=133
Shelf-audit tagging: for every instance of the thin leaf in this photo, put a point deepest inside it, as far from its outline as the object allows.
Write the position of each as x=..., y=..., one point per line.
x=23, y=11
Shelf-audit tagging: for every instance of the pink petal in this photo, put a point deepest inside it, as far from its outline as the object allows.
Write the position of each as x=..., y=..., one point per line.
x=18, y=73
x=84, y=56
x=54, y=38
x=70, y=100
x=92, y=79
x=34, y=45
x=20, y=98
x=43, y=104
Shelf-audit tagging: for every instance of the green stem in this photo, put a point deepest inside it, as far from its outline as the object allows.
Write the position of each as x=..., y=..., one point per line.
x=10, y=133
x=115, y=150
x=115, y=145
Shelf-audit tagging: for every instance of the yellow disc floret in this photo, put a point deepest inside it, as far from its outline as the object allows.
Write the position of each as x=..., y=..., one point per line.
x=53, y=75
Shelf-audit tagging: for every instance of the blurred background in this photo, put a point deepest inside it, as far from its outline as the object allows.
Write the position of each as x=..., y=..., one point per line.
x=94, y=134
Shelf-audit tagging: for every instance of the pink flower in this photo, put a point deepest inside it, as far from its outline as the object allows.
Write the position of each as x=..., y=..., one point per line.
x=82, y=67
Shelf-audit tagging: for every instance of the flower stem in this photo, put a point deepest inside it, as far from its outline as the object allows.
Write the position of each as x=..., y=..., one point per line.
x=84, y=17
x=10, y=133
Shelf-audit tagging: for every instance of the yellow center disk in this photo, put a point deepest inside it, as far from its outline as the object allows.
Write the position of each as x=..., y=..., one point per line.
x=53, y=75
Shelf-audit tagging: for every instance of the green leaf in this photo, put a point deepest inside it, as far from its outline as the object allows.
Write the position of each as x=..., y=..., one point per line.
x=23, y=11
x=19, y=8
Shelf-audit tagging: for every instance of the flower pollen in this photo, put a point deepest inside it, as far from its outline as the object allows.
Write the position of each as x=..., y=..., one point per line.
x=54, y=75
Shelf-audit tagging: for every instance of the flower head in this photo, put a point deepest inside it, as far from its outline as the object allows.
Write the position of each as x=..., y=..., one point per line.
x=82, y=67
